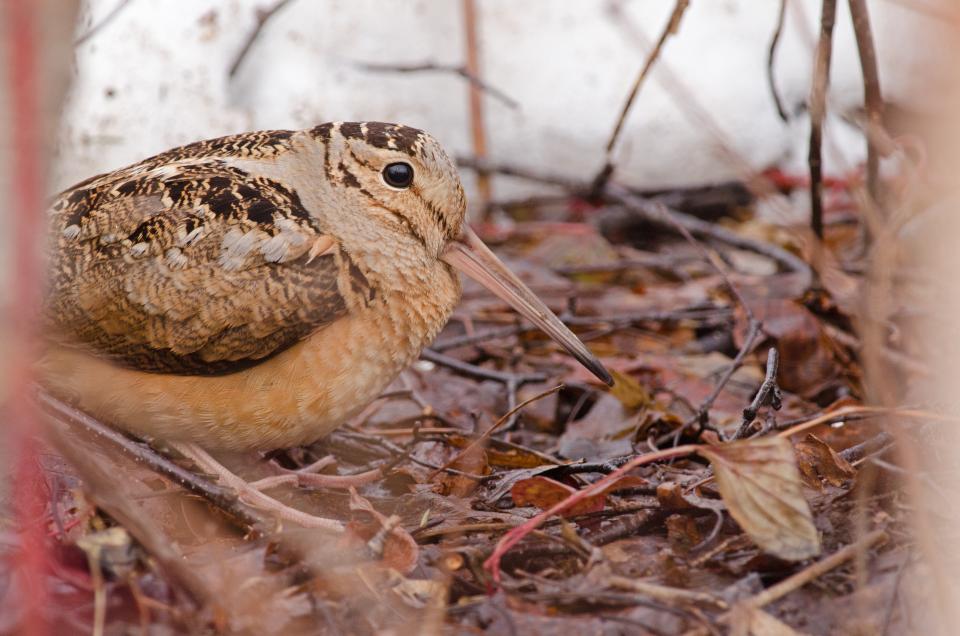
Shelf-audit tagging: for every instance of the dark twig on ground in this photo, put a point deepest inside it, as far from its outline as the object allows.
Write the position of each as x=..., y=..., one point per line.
x=616, y=320
x=263, y=16
x=873, y=100
x=671, y=28
x=768, y=393
x=480, y=373
x=107, y=19
x=102, y=489
x=433, y=67
x=818, y=108
x=663, y=216
x=879, y=442
x=222, y=498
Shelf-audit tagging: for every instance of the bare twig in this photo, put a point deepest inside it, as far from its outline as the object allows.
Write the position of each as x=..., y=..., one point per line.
x=103, y=491
x=478, y=133
x=818, y=101
x=816, y=570
x=107, y=19
x=768, y=392
x=480, y=373
x=490, y=431
x=221, y=498
x=663, y=216
x=462, y=71
x=671, y=28
x=753, y=333
x=263, y=16
x=771, y=53
x=873, y=100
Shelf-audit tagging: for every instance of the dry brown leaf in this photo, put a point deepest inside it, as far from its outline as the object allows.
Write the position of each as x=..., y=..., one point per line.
x=630, y=392
x=544, y=493
x=746, y=620
x=818, y=462
x=761, y=485
x=400, y=551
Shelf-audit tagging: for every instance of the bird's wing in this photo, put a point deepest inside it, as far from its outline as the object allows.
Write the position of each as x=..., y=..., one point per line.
x=191, y=267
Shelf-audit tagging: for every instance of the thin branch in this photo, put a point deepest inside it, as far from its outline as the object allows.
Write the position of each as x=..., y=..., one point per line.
x=671, y=28
x=768, y=392
x=771, y=53
x=263, y=16
x=478, y=133
x=508, y=416
x=480, y=373
x=873, y=100
x=818, y=105
x=663, y=216
x=815, y=571
x=222, y=498
x=433, y=67
x=107, y=19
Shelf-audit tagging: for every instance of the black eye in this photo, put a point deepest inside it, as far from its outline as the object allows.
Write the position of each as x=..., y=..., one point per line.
x=398, y=175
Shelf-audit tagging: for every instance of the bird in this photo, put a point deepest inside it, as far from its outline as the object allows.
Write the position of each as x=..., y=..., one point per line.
x=254, y=291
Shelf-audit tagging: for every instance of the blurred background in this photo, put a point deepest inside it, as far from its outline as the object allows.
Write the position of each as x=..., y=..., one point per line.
x=556, y=123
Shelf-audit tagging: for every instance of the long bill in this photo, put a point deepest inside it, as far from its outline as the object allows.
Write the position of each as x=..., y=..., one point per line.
x=473, y=258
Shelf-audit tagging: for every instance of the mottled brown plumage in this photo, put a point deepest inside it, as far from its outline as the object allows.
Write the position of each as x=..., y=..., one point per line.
x=253, y=291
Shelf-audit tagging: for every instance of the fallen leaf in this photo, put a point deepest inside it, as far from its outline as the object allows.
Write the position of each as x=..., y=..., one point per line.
x=745, y=620
x=818, y=463
x=630, y=392
x=544, y=493
x=682, y=533
x=400, y=551
x=762, y=488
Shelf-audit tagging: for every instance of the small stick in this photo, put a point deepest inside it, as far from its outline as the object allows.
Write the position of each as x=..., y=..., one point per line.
x=263, y=16
x=462, y=71
x=768, y=391
x=479, y=373
x=873, y=100
x=478, y=133
x=664, y=593
x=490, y=431
x=814, y=571
x=107, y=19
x=771, y=52
x=515, y=535
x=663, y=216
x=220, y=497
x=671, y=28
x=818, y=99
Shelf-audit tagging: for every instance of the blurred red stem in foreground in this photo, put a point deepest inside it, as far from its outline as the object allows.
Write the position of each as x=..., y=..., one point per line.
x=24, y=208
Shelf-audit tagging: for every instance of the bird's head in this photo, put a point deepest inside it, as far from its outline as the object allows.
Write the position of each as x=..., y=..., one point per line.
x=407, y=186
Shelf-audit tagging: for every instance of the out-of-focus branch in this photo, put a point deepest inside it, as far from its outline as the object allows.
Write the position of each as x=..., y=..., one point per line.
x=671, y=28
x=428, y=67
x=263, y=16
x=873, y=100
x=478, y=133
x=107, y=19
x=771, y=53
x=818, y=105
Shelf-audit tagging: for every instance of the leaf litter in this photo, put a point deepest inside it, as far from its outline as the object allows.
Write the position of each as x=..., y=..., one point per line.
x=517, y=493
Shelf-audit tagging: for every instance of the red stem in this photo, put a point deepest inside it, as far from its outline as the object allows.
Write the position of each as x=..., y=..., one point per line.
x=517, y=534
x=26, y=167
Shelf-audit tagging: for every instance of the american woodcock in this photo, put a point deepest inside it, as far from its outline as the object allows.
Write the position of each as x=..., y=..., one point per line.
x=255, y=291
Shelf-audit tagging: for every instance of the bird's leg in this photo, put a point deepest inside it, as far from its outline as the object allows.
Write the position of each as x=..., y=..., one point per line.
x=250, y=494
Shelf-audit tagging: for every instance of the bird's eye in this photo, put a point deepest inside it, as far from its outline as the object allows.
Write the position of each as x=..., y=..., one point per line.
x=398, y=175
